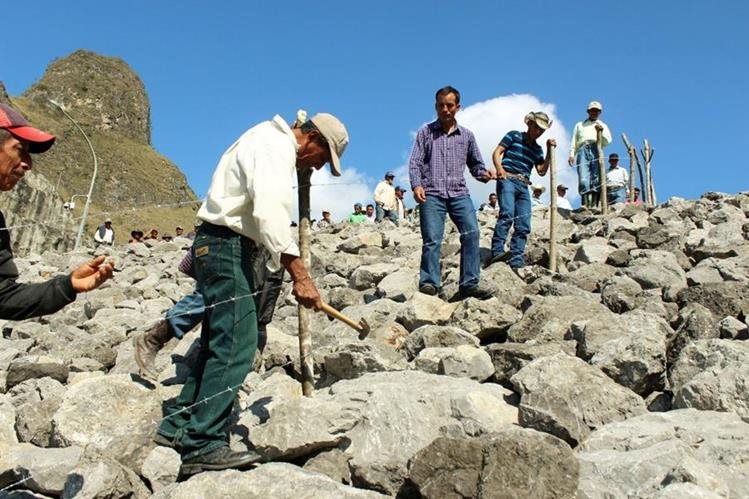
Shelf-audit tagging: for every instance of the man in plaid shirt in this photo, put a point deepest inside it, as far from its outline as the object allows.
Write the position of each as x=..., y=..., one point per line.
x=441, y=151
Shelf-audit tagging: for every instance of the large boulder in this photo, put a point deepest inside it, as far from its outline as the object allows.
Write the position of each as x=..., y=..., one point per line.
x=509, y=358
x=495, y=465
x=41, y=470
x=568, y=398
x=549, y=318
x=436, y=337
x=485, y=319
x=644, y=455
x=125, y=412
x=712, y=375
x=276, y=480
x=656, y=269
x=423, y=310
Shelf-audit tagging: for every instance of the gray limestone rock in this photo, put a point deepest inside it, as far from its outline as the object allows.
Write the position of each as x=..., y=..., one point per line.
x=332, y=463
x=619, y=293
x=276, y=480
x=509, y=358
x=693, y=323
x=43, y=470
x=656, y=269
x=399, y=286
x=424, y=310
x=436, y=336
x=712, y=375
x=732, y=328
x=36, y=401
x=568, y=398
x=644, y=455
x=485, y=319
x=722, y=299
x=96, y=476
x=354, y=359
x=549, y=318
x=161, y=467
x=35, y=366
x=495, y=465
x=126, y=437
x=367, y=276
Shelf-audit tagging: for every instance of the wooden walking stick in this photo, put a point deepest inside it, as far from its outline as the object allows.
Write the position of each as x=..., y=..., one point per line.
x=305, y=338
x=552, y=209
x=633, y=155
x=603, y=193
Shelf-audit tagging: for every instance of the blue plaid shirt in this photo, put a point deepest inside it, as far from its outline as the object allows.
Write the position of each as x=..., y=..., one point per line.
x=438, y=158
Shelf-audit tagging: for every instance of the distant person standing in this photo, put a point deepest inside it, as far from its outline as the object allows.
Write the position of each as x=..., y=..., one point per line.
x=384, y=197
x=441, y=151
x=400, y=207
x=358, y=216
x=584, y=153
x=514, y=158
x=491, y=205
x=617, y=181
x=369, y=215
x=324, y=222
x=105, y=233
x=562, y=202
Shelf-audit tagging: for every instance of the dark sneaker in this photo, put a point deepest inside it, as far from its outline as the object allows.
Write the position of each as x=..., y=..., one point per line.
x=501, y=257
x=165, y=441
x=479, y=291
x=428, y=289
x=220, y=459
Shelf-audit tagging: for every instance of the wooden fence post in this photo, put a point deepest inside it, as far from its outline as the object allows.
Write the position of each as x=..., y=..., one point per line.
x=602, y=190
x=552, y=209
x=633, y=155
x=305, y=338
x=632, y=162
x=647, y=156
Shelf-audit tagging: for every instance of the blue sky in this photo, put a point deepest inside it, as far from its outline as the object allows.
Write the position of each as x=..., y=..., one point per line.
x=672, y=72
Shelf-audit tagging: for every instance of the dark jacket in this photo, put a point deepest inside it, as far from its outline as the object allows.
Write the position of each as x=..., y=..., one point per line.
x=22, y=301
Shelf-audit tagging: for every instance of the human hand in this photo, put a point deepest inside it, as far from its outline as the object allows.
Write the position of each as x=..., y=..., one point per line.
x=501, y=174
x=91, y=274
x=571, y=161
x=306, y=293
x=419, y=195
x=551, y=143
x=599, y=127
x=488, y=175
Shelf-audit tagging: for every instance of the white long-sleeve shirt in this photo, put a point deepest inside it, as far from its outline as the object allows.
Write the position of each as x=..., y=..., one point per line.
x=107, y=238
x=384, y=194
x=617, y=177
x=563, y=203
x=585, y=131
x=251, y=189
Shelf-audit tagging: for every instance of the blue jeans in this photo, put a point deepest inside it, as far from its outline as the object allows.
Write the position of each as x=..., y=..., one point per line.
x=588, y=174
x=381, y=213
x=617, y=195
x=514, y=208
x=432, y=219
x=186, y=314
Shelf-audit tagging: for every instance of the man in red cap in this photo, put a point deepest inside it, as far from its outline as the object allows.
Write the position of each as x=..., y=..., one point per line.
x=18, y=140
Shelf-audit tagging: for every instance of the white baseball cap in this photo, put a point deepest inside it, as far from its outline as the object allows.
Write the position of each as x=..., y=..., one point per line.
x=335, y=135
x=595, y=105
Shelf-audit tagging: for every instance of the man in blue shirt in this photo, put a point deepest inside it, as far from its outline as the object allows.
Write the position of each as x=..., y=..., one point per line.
x=514, y=159
x=441, y=150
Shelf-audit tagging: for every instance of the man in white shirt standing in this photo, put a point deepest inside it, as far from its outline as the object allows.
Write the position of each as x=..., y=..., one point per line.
x=400, y=207
x=584, y=153
x=562, y=202
x=617, y=180
x=248, y=204
x=384, y=196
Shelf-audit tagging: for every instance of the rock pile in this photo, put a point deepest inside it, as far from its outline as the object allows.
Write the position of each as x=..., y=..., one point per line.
x=622, y=375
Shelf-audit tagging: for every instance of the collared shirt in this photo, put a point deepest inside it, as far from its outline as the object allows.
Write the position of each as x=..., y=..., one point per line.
x=251, y=189
x=519, y=157
x=563, y=203
x=384, y=195
x=438, y=158
x=370, y=219
x=617, y=177
x=488, y=207
x=537, y=203
x=400, y=209
x=585, y=131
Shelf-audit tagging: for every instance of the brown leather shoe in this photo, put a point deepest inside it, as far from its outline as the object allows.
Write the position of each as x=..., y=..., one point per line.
x=147, y=346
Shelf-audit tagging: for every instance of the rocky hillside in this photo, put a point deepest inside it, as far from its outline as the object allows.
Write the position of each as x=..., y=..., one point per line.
x=108, y=100
x=622, y=375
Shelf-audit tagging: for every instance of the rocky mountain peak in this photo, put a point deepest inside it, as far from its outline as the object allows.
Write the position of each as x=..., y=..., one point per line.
x=4, y=98
x=105, y=92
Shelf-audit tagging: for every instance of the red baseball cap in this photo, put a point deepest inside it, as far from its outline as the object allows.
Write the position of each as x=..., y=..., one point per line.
x=19, y=127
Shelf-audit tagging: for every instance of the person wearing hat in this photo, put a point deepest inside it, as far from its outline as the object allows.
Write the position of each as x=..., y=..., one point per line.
x=358, y=216
x=248, y=205
x=584, y=153
x=325, y=221
x=178, y=231
x=441, y=151
x=562, y=202
x=537, y=190
x=617, y=181
x=514, y=158
x=18, y=301
x=104, y=233
x=384, y=197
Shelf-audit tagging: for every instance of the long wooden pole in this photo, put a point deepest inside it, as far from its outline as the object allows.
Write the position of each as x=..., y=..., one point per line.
x=648, y=155
x=602, y=191
x=305, y=338
x=633, y=154
x=552, y=209
x=632, y=161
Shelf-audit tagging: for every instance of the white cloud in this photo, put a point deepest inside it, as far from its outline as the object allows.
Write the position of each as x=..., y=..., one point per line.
x=335, y=194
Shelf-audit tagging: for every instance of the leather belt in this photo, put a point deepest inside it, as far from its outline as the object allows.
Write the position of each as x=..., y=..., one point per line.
x=519, y=176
